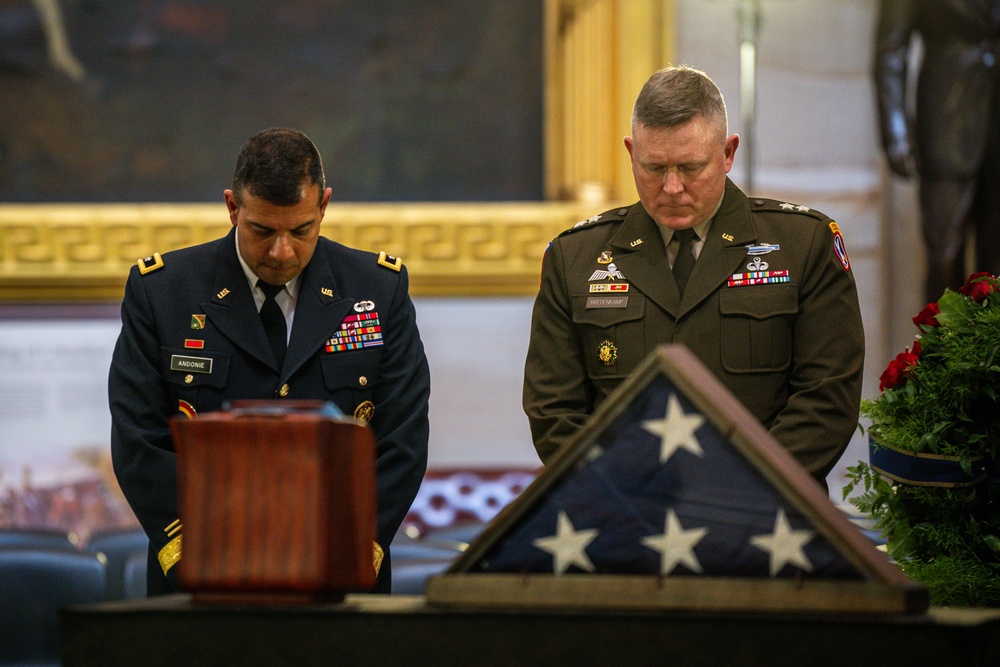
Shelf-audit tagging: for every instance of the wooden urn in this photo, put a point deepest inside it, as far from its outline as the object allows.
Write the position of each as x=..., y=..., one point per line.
x=276, y=504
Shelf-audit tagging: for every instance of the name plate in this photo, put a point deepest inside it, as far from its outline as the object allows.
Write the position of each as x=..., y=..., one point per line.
x=607, y=302
x=179, y=362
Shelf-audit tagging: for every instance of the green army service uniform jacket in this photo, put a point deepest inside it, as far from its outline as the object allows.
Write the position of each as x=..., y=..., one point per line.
x=786, y=340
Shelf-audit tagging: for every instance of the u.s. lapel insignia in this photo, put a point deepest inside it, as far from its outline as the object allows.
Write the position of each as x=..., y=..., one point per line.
x=607, y=353
x=364, y=412
x=635, y=243
x=727, y=237
x=326, y=291
x=197, y=321
x=390, y=262
x=222, y=294
x=605, y=257
x=151, y=263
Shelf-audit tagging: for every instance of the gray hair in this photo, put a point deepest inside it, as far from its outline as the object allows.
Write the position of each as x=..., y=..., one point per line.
x=675, y=95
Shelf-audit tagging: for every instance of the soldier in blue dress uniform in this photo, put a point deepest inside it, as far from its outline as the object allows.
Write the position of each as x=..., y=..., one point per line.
x=192, y=338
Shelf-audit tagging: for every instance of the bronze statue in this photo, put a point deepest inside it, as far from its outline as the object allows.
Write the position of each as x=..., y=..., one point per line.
x=952, y=143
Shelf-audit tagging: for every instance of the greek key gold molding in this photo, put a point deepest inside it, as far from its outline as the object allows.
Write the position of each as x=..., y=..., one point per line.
x=83, y=252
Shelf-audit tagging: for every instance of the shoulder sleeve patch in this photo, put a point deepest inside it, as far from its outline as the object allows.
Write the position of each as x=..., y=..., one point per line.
x=390, y=262
x=839, y=249
x=150, y=264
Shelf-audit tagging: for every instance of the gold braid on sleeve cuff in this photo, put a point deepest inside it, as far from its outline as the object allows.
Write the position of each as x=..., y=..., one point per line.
x=170, y=554
x=377, y=556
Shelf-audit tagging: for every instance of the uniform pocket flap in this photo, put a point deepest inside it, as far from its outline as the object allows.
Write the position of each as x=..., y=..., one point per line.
x=759, y=302
x=634, y=309
x=353, y=369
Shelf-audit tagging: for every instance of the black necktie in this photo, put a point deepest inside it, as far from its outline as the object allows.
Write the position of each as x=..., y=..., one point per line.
x=274, y=320
x=685, y=258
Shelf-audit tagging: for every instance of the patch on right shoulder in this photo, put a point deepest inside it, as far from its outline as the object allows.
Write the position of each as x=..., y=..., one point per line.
x=150, y=264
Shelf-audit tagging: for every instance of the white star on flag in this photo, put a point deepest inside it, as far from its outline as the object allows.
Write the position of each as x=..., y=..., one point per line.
x=676, y=430
x=676, y=545
x=784, y=544
x=567, y=546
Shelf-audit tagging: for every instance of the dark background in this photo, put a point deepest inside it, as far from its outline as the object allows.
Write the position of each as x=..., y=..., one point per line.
x=406, y=100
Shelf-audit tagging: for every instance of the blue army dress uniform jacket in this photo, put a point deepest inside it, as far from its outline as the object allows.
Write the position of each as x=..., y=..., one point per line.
x=199, y=304
x=788, y=342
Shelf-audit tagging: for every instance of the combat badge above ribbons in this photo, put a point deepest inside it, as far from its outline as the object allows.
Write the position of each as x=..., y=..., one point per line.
x=611, y=274
x=762, y=248
x=758, y=272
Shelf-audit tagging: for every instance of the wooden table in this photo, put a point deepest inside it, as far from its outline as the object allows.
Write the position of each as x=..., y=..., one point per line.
x=372, y=630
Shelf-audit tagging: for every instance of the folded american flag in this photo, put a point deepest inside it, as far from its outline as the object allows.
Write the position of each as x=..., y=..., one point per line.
x=662, y=491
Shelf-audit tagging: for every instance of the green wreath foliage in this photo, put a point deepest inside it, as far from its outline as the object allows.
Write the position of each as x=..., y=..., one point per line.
x=941, y=398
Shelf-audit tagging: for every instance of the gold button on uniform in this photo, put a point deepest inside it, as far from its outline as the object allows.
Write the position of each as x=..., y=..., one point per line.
x=188, y=379
x=284, y=390
x=363, y=381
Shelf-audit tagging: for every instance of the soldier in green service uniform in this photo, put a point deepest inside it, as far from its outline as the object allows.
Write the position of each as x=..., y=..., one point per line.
x=761, y=291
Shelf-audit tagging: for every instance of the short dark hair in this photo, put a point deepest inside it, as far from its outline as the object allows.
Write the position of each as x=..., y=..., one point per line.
x=675, y=95
x=273, y=164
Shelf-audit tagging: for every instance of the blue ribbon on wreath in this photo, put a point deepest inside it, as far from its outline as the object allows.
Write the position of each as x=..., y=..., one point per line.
x=924, y=469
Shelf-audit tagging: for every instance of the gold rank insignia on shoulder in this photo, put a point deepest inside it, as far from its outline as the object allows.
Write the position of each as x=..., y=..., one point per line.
x=149, y=264
x=390, y=262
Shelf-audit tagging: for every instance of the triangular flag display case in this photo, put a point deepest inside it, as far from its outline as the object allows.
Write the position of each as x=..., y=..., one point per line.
x=674, y=497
